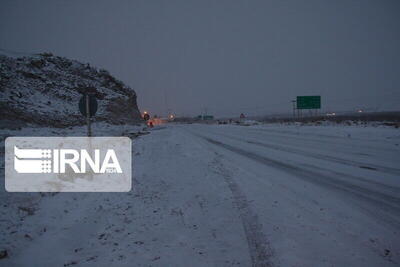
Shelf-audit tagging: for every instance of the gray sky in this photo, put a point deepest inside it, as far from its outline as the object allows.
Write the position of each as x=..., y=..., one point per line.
x=227, y=56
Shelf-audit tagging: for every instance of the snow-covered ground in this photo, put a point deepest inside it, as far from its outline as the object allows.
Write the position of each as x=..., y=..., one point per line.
x=223, y=195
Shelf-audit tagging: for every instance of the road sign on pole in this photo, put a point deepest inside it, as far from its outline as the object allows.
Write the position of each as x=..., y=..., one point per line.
x=92, y=105
x=88, y=108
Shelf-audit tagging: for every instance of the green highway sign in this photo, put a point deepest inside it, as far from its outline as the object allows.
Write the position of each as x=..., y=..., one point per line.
x=309, y=102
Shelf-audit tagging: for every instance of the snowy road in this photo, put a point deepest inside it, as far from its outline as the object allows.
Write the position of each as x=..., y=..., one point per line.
x=321, y=197
x=221, y=195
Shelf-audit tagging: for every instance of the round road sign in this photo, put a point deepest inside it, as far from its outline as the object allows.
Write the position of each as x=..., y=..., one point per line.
x=92, y=105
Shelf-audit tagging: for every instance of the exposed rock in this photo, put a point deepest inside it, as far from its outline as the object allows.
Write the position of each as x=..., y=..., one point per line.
x=45, y=90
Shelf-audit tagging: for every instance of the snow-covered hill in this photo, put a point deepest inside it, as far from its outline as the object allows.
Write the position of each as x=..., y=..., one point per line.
x=45, y=90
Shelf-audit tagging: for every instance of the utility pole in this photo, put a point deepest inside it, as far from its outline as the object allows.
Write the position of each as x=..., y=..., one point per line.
x=166, y=102
x=294, y=108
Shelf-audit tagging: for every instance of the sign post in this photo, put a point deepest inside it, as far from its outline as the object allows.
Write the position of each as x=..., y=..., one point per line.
x=146, y=116
x=88, y=108
x=89, y=129
x=294, y=108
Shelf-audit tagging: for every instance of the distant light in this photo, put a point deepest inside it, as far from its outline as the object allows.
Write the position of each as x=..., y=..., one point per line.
x=144, y=112
x=360, y=110
x=171, y=116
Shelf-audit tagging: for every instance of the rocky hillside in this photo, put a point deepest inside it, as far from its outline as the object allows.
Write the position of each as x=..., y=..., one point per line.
x=45, y=90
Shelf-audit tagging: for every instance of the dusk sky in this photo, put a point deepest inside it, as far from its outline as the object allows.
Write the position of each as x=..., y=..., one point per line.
x=227, y=56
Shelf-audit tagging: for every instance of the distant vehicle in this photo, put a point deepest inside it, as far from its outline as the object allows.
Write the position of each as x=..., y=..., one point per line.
x=242, y=116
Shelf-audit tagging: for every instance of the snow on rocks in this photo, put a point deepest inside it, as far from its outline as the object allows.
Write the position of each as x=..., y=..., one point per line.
x=45, y=89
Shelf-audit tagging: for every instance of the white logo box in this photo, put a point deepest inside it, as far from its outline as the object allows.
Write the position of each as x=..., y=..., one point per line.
x=68, y=164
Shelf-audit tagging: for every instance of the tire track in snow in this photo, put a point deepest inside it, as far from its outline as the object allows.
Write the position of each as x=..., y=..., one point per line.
x=321, y=156
x=386, y=208
x=259, y=249
x=395, y=191
x=303, y=136
x=348, y=162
